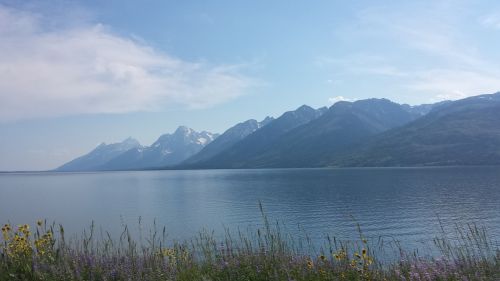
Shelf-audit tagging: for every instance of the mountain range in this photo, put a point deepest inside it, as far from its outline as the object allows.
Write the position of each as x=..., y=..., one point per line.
x=98, y=157
x=465, y=132
x=371, y=132
x=230, y=137
x=169, y=149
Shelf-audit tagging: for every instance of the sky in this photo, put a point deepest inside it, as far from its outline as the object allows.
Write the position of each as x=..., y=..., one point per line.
x=74, y=74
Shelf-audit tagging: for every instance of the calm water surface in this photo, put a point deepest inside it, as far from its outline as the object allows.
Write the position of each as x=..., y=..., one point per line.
x=404, y=204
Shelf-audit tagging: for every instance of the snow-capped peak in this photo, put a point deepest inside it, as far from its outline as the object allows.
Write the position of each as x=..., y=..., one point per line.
x=201, y=141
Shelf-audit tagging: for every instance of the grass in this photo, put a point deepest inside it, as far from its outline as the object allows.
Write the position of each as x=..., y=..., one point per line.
x=42, y=252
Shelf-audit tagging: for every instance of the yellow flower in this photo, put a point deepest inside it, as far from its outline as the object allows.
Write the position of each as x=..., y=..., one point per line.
x=168, y=252
x=364, y=253
x=340, y=255
x=39, y=222
x=310, y=264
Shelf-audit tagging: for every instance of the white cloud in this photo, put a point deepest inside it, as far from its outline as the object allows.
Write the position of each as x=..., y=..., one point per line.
x=336, y=99
x=491, y=20
x=454, y=84
x=432, y=59
x=89, y=69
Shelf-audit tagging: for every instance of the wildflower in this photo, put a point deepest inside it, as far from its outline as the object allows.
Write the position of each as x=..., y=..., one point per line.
x=39, y=222
x=340, y=255
x=310, y=264
x=5, y=233
x=322, y=257
x=170, y=254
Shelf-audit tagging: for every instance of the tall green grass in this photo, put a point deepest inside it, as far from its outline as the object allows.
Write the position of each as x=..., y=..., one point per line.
x=267, y=253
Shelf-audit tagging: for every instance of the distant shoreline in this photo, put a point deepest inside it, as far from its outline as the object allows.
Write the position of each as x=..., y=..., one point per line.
x=273, y=168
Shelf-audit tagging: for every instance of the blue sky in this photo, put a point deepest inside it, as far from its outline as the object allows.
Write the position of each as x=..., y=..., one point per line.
x=77, y=73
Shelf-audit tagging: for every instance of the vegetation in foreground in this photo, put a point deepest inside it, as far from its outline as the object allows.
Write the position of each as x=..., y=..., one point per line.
x=42, y=252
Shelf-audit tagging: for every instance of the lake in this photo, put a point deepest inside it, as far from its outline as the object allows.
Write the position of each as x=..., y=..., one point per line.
x=405, y=204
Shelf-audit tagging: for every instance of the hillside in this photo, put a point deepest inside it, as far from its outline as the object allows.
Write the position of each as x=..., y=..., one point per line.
x=465, y=132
